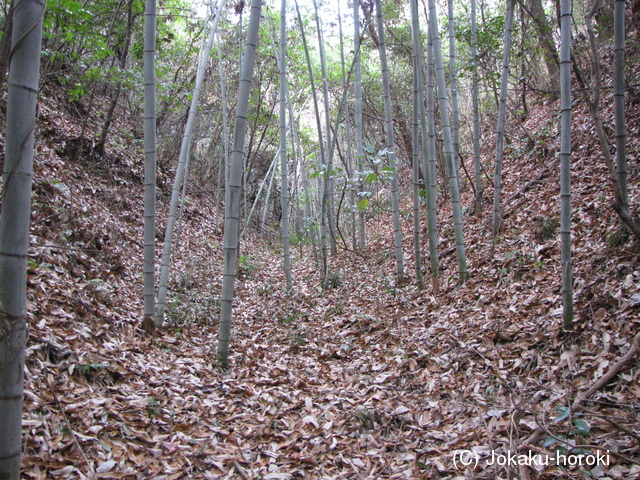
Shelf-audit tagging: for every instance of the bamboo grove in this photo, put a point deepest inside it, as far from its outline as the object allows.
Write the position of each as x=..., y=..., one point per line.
x=362, y=109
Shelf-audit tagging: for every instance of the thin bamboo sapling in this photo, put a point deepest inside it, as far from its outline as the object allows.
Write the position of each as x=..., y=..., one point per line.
x=476, y=108
x=390, y=146
x=428, y=165
x=448, y=143
x=416, y=174
x=182, y=162
x=327, y=114
x=453, y=81
x=323, y=161
x=502, y=113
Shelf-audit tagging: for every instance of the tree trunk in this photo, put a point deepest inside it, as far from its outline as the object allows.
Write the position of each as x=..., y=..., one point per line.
x=502, y=113
x=323, y=160
x=358, y=120
x=232, y=207
x=565, y=161
x=268, y=175
x=329, y=177
x=309, y=222
x=617, y=172
x=347, y=128
x=618, y=98
x=391, y=149
x=265, y=206
x=432, y=150
x=448, y=144
x=150, y=161
x=284, y=184
x=5, y=47
x=454, y=89
x=535, y=10
x=14, y=225
x=430, y=193
x=225, y=125
x=415, y=154
x=106, y=126
x=476, y=114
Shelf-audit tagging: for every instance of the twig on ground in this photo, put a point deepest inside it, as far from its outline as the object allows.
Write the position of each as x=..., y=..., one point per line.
x=613, y=371
x=68, y=424
x=240, y=470
x=601, y=382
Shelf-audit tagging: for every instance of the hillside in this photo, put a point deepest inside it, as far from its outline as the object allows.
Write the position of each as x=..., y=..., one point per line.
x=367, y=379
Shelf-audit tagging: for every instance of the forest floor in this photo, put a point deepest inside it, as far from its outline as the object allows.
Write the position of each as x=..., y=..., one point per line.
x=367, y=379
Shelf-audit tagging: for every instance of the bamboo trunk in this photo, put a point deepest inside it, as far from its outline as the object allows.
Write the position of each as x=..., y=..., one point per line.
x=232, y=207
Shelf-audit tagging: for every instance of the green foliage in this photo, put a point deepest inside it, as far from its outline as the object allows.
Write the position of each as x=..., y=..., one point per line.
x=489, y=32
x=73, y=11
x=577, y=431
x=84, y=45
x=376, y=174
x=153, y=408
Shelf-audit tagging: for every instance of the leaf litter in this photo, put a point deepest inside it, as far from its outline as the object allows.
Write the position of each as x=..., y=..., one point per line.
x=365, y=380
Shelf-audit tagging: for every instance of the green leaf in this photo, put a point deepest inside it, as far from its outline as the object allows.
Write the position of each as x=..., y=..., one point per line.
x=562, y=415
x=363, y=204
x=559, y=449
x=71, y=6
x=372, y=177
x=582, y=427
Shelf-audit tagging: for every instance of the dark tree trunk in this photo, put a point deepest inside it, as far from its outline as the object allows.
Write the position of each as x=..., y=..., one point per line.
x=123, y=63
x=550, y=55
x=5, y=47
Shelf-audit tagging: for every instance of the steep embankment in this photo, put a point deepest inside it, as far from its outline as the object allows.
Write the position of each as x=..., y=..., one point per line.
x=366, y=380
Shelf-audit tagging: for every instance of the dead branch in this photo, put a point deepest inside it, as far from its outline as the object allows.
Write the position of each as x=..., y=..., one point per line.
x=613, y=371
x=601, y=382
